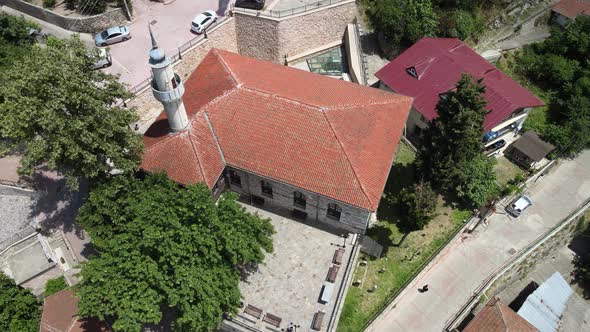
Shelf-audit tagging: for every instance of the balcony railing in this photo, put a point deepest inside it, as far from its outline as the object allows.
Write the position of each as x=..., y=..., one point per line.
x=170, y=95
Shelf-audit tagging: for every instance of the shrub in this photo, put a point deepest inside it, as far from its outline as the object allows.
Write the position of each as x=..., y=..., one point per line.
x=417, y=205
x=49, y=3
x=72, y=4
x=55, y=285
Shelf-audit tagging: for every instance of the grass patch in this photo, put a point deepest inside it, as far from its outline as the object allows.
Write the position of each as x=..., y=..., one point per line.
x=506, y=171
x=403, y=254
x=55, y=285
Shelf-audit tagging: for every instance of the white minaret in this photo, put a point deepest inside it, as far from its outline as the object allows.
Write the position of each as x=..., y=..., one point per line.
x=167, y=86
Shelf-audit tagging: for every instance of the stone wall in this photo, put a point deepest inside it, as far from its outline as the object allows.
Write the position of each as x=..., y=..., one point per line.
x=352, y=219
x=88, y=24
x=539, y=254
x=274, y=38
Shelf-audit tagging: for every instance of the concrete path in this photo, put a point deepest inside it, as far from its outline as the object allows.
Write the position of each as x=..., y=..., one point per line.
x=455, y=276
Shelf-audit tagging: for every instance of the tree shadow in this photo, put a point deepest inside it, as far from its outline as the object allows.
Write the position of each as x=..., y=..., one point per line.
x=580, y=245
x=57, y=206
x=383, y=235
x=223, y=6
x=370, y=44
x=401, y=176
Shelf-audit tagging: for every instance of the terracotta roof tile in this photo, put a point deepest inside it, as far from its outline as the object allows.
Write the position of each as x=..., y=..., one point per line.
x=439, y=63
x=498, y=317
x=60, y=315
x=572, y=8
x=327, y=136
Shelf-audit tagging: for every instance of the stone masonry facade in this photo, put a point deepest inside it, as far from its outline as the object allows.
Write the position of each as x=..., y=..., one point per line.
x=272, y=39
x=352, y=219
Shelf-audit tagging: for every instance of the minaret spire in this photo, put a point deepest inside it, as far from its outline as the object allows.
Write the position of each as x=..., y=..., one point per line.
x=154, y=44
x=167, y=86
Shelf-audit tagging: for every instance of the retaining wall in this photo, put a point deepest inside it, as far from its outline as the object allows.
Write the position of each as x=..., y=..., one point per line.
x=273, y=39
x=90, y=24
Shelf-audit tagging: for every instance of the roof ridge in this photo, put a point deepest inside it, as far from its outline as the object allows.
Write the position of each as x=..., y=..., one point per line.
x=347, y=158
x=214, y=136
x=401, y=98
x=196, y=154
x=170, y=135
x=226, y=66
x=499, y=308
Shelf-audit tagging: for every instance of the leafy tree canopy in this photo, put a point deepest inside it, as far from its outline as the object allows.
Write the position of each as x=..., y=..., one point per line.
x=19, y=309
x=475, y=180
x=61, y=112
x=417, y=205
x=162, y=248
x=560, y=65
x=403, y=21
x=15, y=41
x=455, y=135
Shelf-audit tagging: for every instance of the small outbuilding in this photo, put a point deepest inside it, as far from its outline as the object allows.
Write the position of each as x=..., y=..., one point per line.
x=528, y=150
x=566, y=11
x=60, y=314
x=498, y=317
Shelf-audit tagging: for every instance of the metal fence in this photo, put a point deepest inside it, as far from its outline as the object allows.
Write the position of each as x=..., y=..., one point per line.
x=456, y=319
x=290, y=11
x=394, y=296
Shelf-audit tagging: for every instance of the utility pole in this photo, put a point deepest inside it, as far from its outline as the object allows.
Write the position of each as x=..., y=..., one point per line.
x=127, y=10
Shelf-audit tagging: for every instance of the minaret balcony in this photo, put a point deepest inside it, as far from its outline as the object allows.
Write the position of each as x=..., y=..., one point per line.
x=172, y=95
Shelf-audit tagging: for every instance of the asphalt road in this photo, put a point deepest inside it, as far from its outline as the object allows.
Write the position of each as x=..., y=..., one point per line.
x=171, y=26
x=455, y=276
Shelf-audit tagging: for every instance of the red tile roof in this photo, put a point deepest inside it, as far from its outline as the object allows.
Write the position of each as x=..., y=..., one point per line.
x=439, y=63
x=331, y=137
x=60, y=315
x=572, y=8
x=498, y=317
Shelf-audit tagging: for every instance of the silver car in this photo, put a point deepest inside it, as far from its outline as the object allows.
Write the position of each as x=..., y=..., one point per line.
x=519, y=205
x=112, y=35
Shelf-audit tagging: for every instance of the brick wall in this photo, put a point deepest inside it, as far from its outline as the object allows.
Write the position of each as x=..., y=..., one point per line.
x=274, y=38
x=352, y=219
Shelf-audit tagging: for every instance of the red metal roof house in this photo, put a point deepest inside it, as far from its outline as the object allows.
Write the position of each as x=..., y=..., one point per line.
x=314, y=145
x=432, y=66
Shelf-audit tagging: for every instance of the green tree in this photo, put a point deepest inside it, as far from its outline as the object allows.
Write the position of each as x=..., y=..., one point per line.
x=19, y=309
x=403, y=21
x=475, y=180
x=63, y=113
x=455, y=135
x=162, y=247
x=421, y=20
x=560, y=65
x=15, y=40
x=417, y=205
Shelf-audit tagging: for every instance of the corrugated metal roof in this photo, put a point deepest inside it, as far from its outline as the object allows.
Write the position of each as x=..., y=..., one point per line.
x=545, y=306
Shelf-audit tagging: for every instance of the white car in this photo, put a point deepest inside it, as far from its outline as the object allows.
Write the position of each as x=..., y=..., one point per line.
x=203, y=21
x=519, y=205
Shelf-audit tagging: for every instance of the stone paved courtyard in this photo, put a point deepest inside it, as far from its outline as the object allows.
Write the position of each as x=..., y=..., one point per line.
x=289, y=282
